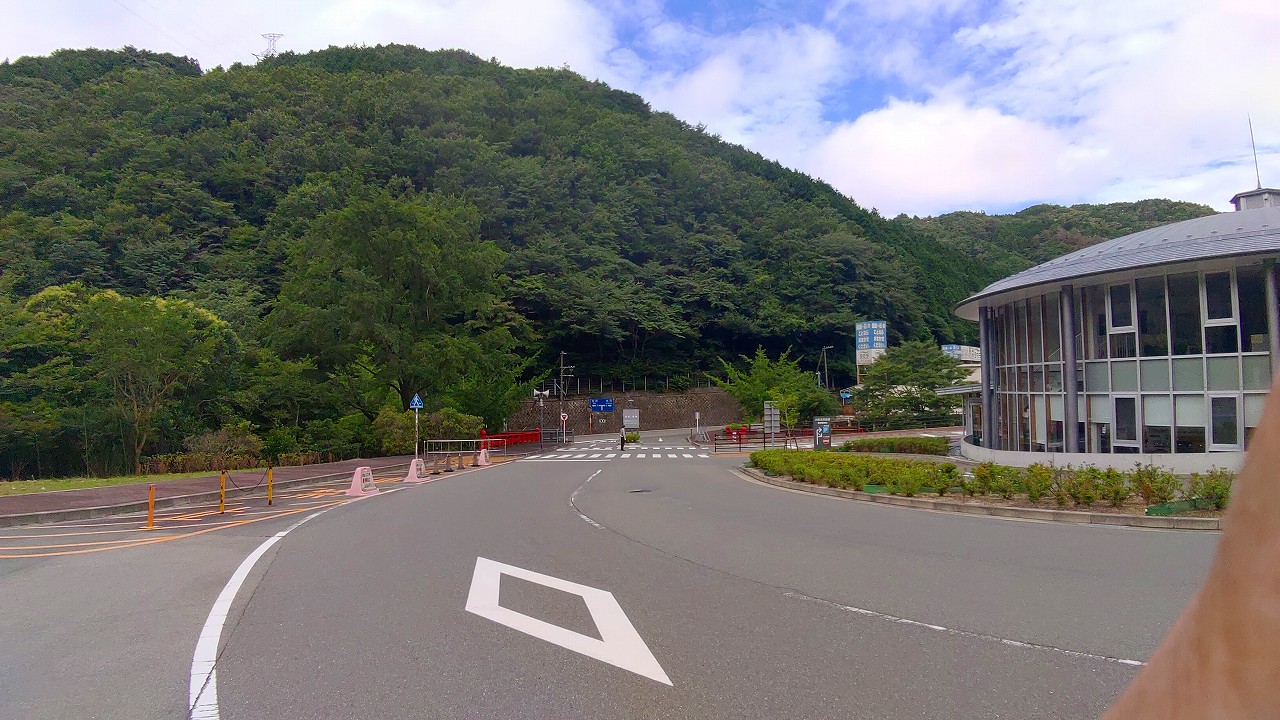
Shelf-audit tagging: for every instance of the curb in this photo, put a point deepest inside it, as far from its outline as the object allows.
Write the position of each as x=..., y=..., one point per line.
x=1064, y=516
x=48, y=516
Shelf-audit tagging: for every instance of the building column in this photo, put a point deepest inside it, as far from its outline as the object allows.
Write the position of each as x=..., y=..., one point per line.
x=1273, y=314
x=1071, y=401
x=987, y=375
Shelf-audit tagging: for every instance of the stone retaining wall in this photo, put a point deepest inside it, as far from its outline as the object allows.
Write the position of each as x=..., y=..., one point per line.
x=657, y=411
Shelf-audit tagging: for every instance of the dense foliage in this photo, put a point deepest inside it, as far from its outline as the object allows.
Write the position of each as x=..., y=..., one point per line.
x=320, y=236
x=898, y=390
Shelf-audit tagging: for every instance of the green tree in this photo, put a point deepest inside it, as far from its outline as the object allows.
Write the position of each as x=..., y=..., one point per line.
x=796, y=391
x=899, y=389
x=145, y=352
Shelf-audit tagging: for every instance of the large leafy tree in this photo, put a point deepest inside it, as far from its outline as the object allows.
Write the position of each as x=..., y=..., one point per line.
x=782, y=381
x=397, y=286
x=899, y=389
x=146, y=352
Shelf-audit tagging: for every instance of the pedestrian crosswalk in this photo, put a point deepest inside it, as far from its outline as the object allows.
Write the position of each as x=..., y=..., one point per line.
x=635, y=453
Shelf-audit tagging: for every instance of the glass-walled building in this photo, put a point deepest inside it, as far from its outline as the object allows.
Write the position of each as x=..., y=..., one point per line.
x=1161, y=344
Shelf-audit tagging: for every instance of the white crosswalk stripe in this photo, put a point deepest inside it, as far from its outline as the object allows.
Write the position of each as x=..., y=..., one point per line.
x=570, y=454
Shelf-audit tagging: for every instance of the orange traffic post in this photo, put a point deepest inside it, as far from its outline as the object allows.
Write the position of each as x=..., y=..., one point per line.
x=151, y=506
x=268, y=484
x=222, y=492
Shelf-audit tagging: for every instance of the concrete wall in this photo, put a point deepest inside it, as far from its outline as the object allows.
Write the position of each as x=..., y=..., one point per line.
x=657, y=411
x=1182, y=464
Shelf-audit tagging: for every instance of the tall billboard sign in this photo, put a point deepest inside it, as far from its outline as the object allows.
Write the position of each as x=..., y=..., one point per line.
x=872, y=338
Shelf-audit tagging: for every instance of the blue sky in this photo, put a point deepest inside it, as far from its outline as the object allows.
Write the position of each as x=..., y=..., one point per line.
x=907, y=106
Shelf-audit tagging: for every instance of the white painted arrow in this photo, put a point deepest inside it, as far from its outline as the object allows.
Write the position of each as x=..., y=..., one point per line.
x=620, y=645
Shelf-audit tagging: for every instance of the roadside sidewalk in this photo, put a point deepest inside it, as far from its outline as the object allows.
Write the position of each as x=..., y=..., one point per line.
x=94, y=502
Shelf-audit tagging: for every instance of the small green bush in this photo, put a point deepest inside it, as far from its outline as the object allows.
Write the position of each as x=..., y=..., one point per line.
x=632, y=437
x=912, y=445
x=1084, y=486
x=1038, y=481
x=945, y=476
x=1154, y=485
x=909, y=480
x=1212, y=489
x=983, y=475
x=1004, y=481
x=1113, y=486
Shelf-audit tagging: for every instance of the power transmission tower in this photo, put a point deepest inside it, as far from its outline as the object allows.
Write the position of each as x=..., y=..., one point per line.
x=270, y=52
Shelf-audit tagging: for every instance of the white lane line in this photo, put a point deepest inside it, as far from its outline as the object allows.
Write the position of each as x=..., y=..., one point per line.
x=963, y=633
x=535, y=457
x=927, y=435
x=619, y=644
x=672, y=456
x=574, y=497
x=204, y=673
x=703, y=455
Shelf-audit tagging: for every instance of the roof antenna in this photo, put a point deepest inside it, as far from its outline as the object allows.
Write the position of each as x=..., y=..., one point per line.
x=1256, y=172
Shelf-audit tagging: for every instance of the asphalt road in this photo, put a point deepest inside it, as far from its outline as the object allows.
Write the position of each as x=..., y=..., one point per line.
x=605, y=587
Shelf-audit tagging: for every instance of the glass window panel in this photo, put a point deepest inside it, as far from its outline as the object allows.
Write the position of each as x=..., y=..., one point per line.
x=1124, y=376
x=1052, y=331
x=1020, y=332
x=1217, y=296
x=1096, y=377
x=1123, y=345
x=1157, y=439
x=1040, y=422
x=1190, y=439
x=1184, y=313
x=1037, y=378
x=1225, y=424
x=1053, y=378
x=1022, y=373
x=1252, y=415
x=1188, y=374
x=1253, y=309
x=1126, y=424
x=1095, y=316
x=1157, y=410
x=1024, y=428
x=1100, y=408
x=1190, y=410
x=1121, y=307
x=1034, y=320
x=1257, y=371
x=1155, y=375
x=1253, y=405
x=1220, y=339
x=1152, y=326
x=1224, y=373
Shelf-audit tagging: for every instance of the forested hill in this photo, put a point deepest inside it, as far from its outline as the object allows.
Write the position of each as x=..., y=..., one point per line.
x=1043, y=232
x=309, y=241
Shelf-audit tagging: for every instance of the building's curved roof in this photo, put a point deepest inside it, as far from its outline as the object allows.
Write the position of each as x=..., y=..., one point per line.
x=1244, y=232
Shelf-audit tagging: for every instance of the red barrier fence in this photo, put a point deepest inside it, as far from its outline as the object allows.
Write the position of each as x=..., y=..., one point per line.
x=515, y=438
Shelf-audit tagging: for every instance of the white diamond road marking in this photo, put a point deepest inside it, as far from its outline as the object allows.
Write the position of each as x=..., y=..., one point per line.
x=620, y=645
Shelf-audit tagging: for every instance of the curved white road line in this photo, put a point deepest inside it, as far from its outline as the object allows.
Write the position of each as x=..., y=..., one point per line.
x=204, y=676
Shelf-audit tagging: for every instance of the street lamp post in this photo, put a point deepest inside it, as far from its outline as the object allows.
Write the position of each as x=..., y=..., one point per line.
x=826, y=371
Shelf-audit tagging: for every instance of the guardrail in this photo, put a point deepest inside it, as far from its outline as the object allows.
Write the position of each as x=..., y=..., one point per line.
x=746, y=440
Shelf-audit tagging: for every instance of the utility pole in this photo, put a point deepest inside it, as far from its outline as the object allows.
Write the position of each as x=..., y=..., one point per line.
x=826, y=385
x=566, y=371
x=270, y=52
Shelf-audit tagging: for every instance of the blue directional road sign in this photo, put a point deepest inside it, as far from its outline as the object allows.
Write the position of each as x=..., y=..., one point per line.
x=601, y=404
x=416, y=402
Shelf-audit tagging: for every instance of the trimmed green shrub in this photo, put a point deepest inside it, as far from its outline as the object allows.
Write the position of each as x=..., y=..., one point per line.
x=1084, y=485
x=632, y=437
x=945, y=477
x=983, y=475
x=909, y=480
x=1038, y=481
x=1154, y=485
x=1004, y=481
x=912, y=445
x=1213, y=489
x=1113, y=486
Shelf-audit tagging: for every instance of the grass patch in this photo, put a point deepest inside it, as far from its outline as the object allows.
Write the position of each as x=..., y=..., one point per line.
x=21, y=487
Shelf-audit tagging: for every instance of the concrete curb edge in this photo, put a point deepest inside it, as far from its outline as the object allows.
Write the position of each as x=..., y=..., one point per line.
x=1068, y=516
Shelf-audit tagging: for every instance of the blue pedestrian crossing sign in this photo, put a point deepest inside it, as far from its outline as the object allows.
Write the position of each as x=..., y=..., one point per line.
x=415, y=403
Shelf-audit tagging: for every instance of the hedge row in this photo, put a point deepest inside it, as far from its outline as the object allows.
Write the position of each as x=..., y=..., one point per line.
x=1081, y=486
x=913, y=445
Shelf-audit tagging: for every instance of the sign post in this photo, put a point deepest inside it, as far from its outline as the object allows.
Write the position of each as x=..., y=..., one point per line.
x=415, y=404
x=872, y=340
x=564, y=417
